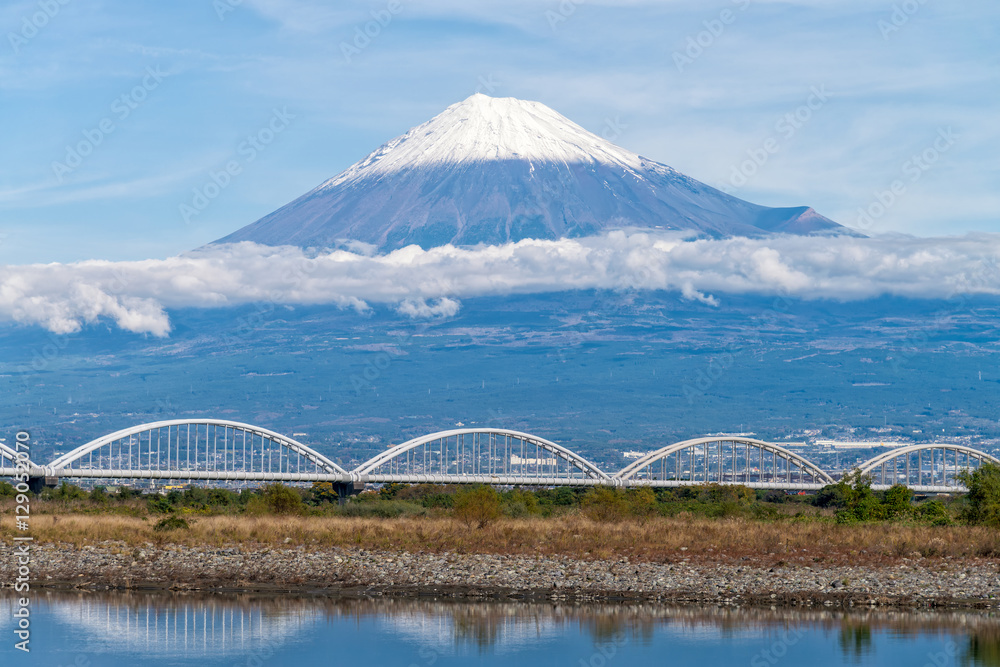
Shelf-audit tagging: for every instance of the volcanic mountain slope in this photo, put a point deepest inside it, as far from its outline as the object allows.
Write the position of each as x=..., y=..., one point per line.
x=493, y=170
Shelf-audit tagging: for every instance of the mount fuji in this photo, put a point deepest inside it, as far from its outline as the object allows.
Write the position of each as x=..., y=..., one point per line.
x=493, y=170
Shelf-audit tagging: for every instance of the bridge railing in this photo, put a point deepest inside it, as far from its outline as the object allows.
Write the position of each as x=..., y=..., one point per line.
x=486, y=454
x=724, y=460
x=196, y=449
x=925, y=466
x=212, y=449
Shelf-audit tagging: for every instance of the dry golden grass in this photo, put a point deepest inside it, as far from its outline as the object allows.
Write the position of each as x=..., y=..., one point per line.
x=658, y=539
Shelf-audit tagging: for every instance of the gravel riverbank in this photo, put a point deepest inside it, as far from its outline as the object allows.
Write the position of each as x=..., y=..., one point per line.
x=917, y=582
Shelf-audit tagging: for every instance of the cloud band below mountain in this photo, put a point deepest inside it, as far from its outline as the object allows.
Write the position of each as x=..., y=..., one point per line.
x=137, y=294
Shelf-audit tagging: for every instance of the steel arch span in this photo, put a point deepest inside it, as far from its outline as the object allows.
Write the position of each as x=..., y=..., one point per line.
x=217, y=449
x=724, y=460
x=8, y=461
x=924, y=467
x=484, y=455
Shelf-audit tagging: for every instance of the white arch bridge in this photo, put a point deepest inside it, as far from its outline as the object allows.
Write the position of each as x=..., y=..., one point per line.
x=229, y=451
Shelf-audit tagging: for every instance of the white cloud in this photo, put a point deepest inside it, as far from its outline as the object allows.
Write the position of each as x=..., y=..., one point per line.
x=429, y=283
x=420, y=309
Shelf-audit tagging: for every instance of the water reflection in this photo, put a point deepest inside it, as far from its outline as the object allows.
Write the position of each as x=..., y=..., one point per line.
x=171, y=624
x=983, y=648
x=218, y=626
x=855, y=639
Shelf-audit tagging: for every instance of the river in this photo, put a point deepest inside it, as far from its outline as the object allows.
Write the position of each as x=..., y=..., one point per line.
x=119, y=629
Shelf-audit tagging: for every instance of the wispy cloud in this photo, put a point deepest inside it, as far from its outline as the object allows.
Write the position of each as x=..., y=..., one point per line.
x=430, y=283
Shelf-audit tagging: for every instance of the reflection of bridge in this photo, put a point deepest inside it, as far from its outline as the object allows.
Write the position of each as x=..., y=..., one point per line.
x=215, y=449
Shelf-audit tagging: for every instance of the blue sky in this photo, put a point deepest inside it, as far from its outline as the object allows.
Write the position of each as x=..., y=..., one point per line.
x=198, y=79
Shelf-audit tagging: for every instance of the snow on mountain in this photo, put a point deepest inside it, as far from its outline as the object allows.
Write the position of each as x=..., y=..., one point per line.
x=493, y=170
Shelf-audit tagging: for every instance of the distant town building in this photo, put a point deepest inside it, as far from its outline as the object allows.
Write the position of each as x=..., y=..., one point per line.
x=856, y=444
x=516, y=460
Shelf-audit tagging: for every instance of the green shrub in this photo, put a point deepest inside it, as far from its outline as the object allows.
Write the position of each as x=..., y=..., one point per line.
x=99, y=495
x=518, y=503
x=641, y=502
x=159, y=505
x=172, y=522
x=442, y=500
x=933, y=512
x=764, y=512
x=322, y=492
x=389, y=491
x=604, y=504
x=221, y=498
x=896, y=502
x=831, y=495
x=719, y=493
x=775, y=496
x=479, y=505
x=983, y=499
x=195, y=496
x=7, y=490
x=562, y=497
x=278, y=499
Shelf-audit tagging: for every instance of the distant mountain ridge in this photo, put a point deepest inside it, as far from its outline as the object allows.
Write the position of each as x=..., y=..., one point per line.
x=494, y=170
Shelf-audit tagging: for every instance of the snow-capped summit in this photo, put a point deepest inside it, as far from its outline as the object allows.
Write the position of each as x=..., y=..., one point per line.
x=483, y=128
x=492, y=170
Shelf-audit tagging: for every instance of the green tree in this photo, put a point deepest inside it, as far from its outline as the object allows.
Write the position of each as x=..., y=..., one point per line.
x=641, y=502
x=983, y=499
x=896, y=502
x=604, y=504
x=934, y=512
x=831, y=495
x=158, y=504
x=323, y=492
x=860, y=504
x=478, y=505
x=195, y=496
x=281, y=499
x=389, y=491
x=518, y=503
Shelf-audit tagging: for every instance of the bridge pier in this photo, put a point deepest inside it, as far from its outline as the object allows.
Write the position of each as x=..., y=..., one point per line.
x=347, y=489
x=39, y=484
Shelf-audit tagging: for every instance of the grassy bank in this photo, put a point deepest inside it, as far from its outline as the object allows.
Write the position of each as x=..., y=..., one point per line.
x=845, y=522
x=658, y=539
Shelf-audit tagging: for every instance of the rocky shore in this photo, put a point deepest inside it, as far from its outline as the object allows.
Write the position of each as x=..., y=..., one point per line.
x=337, y=571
